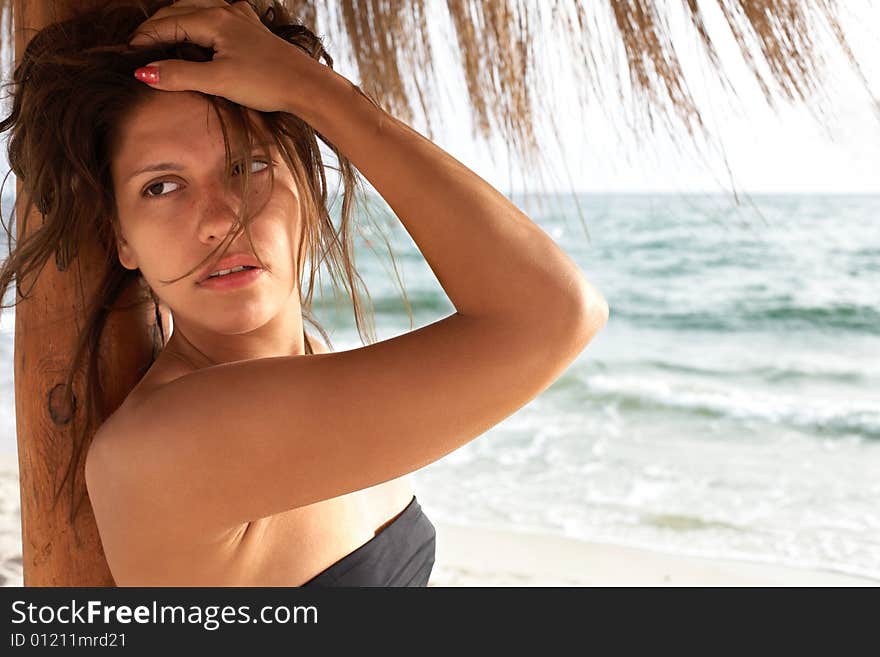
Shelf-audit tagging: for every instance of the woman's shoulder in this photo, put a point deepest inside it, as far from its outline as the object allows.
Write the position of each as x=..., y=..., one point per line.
x=318, y=347
x=125, y=423
x=165, y=370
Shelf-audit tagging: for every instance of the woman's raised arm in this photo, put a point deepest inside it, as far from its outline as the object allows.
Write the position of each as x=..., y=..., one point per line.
x=242, y=440
x=491, y=259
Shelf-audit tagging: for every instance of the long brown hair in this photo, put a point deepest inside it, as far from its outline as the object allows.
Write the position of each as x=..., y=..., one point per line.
x=71, y=92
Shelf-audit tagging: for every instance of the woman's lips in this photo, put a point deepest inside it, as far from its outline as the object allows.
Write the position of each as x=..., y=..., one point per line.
x=232, y=281
x=231, y=261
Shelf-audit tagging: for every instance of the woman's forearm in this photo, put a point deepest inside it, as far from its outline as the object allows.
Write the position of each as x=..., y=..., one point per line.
x=490, y=258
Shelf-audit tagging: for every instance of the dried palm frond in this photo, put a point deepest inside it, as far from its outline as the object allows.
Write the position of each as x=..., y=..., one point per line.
x=504, y=56
x=501, y=49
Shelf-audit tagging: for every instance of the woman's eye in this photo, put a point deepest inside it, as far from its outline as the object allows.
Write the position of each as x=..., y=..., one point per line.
x=157, y=184
x=236, y=167
x=154, y=185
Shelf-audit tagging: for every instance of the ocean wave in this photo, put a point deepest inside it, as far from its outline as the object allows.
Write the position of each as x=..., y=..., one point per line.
x=768, y=373
x=393, y=304
x=854, y=318
x=821, y=418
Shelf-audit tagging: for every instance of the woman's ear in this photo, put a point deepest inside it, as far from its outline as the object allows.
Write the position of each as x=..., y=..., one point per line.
x=124, y=251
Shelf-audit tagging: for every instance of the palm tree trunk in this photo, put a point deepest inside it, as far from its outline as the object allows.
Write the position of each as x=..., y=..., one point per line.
x=56, y=552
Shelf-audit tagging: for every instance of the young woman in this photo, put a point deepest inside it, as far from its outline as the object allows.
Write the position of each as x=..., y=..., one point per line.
x=250, y=454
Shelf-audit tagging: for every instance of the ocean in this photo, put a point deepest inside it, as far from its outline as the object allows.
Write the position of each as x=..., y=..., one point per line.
x=728, y=408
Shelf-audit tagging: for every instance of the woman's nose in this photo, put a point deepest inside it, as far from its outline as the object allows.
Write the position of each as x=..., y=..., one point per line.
x=218, y=211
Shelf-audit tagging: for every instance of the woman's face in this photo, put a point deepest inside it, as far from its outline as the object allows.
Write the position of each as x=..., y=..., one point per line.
x=171, y=218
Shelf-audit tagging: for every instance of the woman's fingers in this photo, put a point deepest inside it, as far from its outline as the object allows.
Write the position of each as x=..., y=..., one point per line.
x=251, y=65
x=176, y=9
x=196, y=3
x=247, y=10
x=198, y=25
x=181, y=75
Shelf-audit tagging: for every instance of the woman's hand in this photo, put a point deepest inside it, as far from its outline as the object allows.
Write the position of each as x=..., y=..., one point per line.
x=251, y=65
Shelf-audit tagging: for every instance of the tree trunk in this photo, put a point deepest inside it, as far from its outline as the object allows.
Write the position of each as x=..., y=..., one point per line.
x=56, y=553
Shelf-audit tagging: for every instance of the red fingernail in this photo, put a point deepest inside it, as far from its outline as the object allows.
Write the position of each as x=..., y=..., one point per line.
x=148, y=74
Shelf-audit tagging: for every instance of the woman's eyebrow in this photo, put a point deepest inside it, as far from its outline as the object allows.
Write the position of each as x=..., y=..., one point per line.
x=174, y=166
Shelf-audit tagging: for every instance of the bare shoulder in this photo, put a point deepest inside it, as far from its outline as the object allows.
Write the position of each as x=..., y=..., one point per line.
x=122, y=426
x=122, y=491
x=221, y=446
x=118, y=424
x=318, y=347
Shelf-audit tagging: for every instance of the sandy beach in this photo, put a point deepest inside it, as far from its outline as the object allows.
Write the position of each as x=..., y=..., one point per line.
x=483, y=557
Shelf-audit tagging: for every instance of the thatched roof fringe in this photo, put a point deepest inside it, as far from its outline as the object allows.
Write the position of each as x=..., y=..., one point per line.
x=500, y=49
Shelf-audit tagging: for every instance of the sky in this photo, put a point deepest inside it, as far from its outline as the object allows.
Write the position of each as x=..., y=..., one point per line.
x=786, y=150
